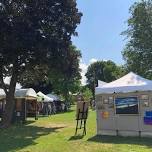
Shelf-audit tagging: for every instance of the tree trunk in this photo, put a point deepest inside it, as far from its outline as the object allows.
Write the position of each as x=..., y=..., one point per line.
x=10, y=101
x=9, y=108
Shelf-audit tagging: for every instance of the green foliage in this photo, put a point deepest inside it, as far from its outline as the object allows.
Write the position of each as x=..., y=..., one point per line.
x=106, y=71
x=66, y=78
x=34, y=33
x=55, y=134
x=87, y=94
x=40, y=32
x=138, y=51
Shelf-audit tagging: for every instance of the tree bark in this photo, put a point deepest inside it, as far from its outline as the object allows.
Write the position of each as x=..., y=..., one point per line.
x=10, y=101
x=9, y=108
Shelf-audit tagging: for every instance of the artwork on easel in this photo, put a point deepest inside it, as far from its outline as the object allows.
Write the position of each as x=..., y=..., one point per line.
x=82, y=108
x=81, y=116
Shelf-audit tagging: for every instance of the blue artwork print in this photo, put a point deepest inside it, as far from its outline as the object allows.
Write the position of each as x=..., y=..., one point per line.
x=126, y=105
x=148, y=118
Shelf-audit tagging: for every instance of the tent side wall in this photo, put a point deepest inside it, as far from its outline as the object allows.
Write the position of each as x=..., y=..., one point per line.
x=25, y=108
x=19, y=110
x=110, y=123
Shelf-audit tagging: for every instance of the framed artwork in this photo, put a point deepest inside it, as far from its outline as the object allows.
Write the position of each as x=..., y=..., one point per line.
x=111, y=102
x=105, y=101
x=144, y=97
x=127, y=105
x=110, y=98
x=145, y=103
x=148, y=118
x=105, y=115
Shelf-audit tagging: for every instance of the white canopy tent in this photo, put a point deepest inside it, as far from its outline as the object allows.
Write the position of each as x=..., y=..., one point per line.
x=54, y=97
x=128, y=83
x=101, y=83
x=25, y=93
x=45, y=98
x=21, y=93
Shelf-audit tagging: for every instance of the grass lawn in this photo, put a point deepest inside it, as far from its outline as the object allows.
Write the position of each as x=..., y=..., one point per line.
x=55, y=134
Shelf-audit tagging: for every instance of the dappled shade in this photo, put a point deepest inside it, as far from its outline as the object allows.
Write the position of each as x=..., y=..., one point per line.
x=21, y=136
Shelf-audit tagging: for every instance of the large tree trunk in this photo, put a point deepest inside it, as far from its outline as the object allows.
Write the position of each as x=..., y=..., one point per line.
x=9, y=108
x=10, y=101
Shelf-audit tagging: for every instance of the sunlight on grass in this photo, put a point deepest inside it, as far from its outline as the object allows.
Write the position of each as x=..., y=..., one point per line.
x=56, y=134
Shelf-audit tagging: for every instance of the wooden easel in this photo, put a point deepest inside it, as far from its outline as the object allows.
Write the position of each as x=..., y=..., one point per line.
x=82, y=118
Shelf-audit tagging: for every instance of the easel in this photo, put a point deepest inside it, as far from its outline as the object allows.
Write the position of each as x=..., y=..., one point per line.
x=82, y=118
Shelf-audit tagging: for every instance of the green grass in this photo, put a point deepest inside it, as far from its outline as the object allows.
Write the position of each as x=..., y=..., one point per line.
x=56, y=134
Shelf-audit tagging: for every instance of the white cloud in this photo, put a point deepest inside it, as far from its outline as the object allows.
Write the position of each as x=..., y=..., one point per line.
x=93, y=60
x=84, y=67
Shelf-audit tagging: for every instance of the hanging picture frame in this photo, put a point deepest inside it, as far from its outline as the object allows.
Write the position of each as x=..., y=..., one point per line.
x=105, y=101
x=146, y=103
x=144, y=97
x=111, y=102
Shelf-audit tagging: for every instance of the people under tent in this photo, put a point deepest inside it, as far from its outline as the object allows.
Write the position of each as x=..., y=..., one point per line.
x=45, y=104
x=60, y=105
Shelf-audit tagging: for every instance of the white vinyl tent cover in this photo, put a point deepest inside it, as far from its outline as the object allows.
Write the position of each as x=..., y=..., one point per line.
x=21, y=93
x=101, y=83
x=54, y=97
x=45, y=98
x=25, y=93
x=128, y=83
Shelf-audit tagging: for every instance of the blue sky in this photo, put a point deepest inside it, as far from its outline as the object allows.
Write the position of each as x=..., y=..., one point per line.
x=99, y=32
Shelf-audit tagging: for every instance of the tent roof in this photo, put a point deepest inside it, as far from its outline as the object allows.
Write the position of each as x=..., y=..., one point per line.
x=101, y=83
x=45, y=98
x=21, y=93
x=54, y=97
x=128, y=83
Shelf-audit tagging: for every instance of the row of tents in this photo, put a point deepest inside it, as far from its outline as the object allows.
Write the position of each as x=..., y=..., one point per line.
x=28, y=103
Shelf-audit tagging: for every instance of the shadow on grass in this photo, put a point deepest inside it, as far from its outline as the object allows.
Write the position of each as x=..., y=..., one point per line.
x=62, y=112
x=20, y=136
x=76, y=137
x=122, y=140
x=28, y=122
x=58, y=113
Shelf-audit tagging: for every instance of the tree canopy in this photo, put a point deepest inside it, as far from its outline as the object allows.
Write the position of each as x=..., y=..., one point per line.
x=67, y=78
x=138, y=50
x=106, y=71
x=62, y=79
x=33, y=33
